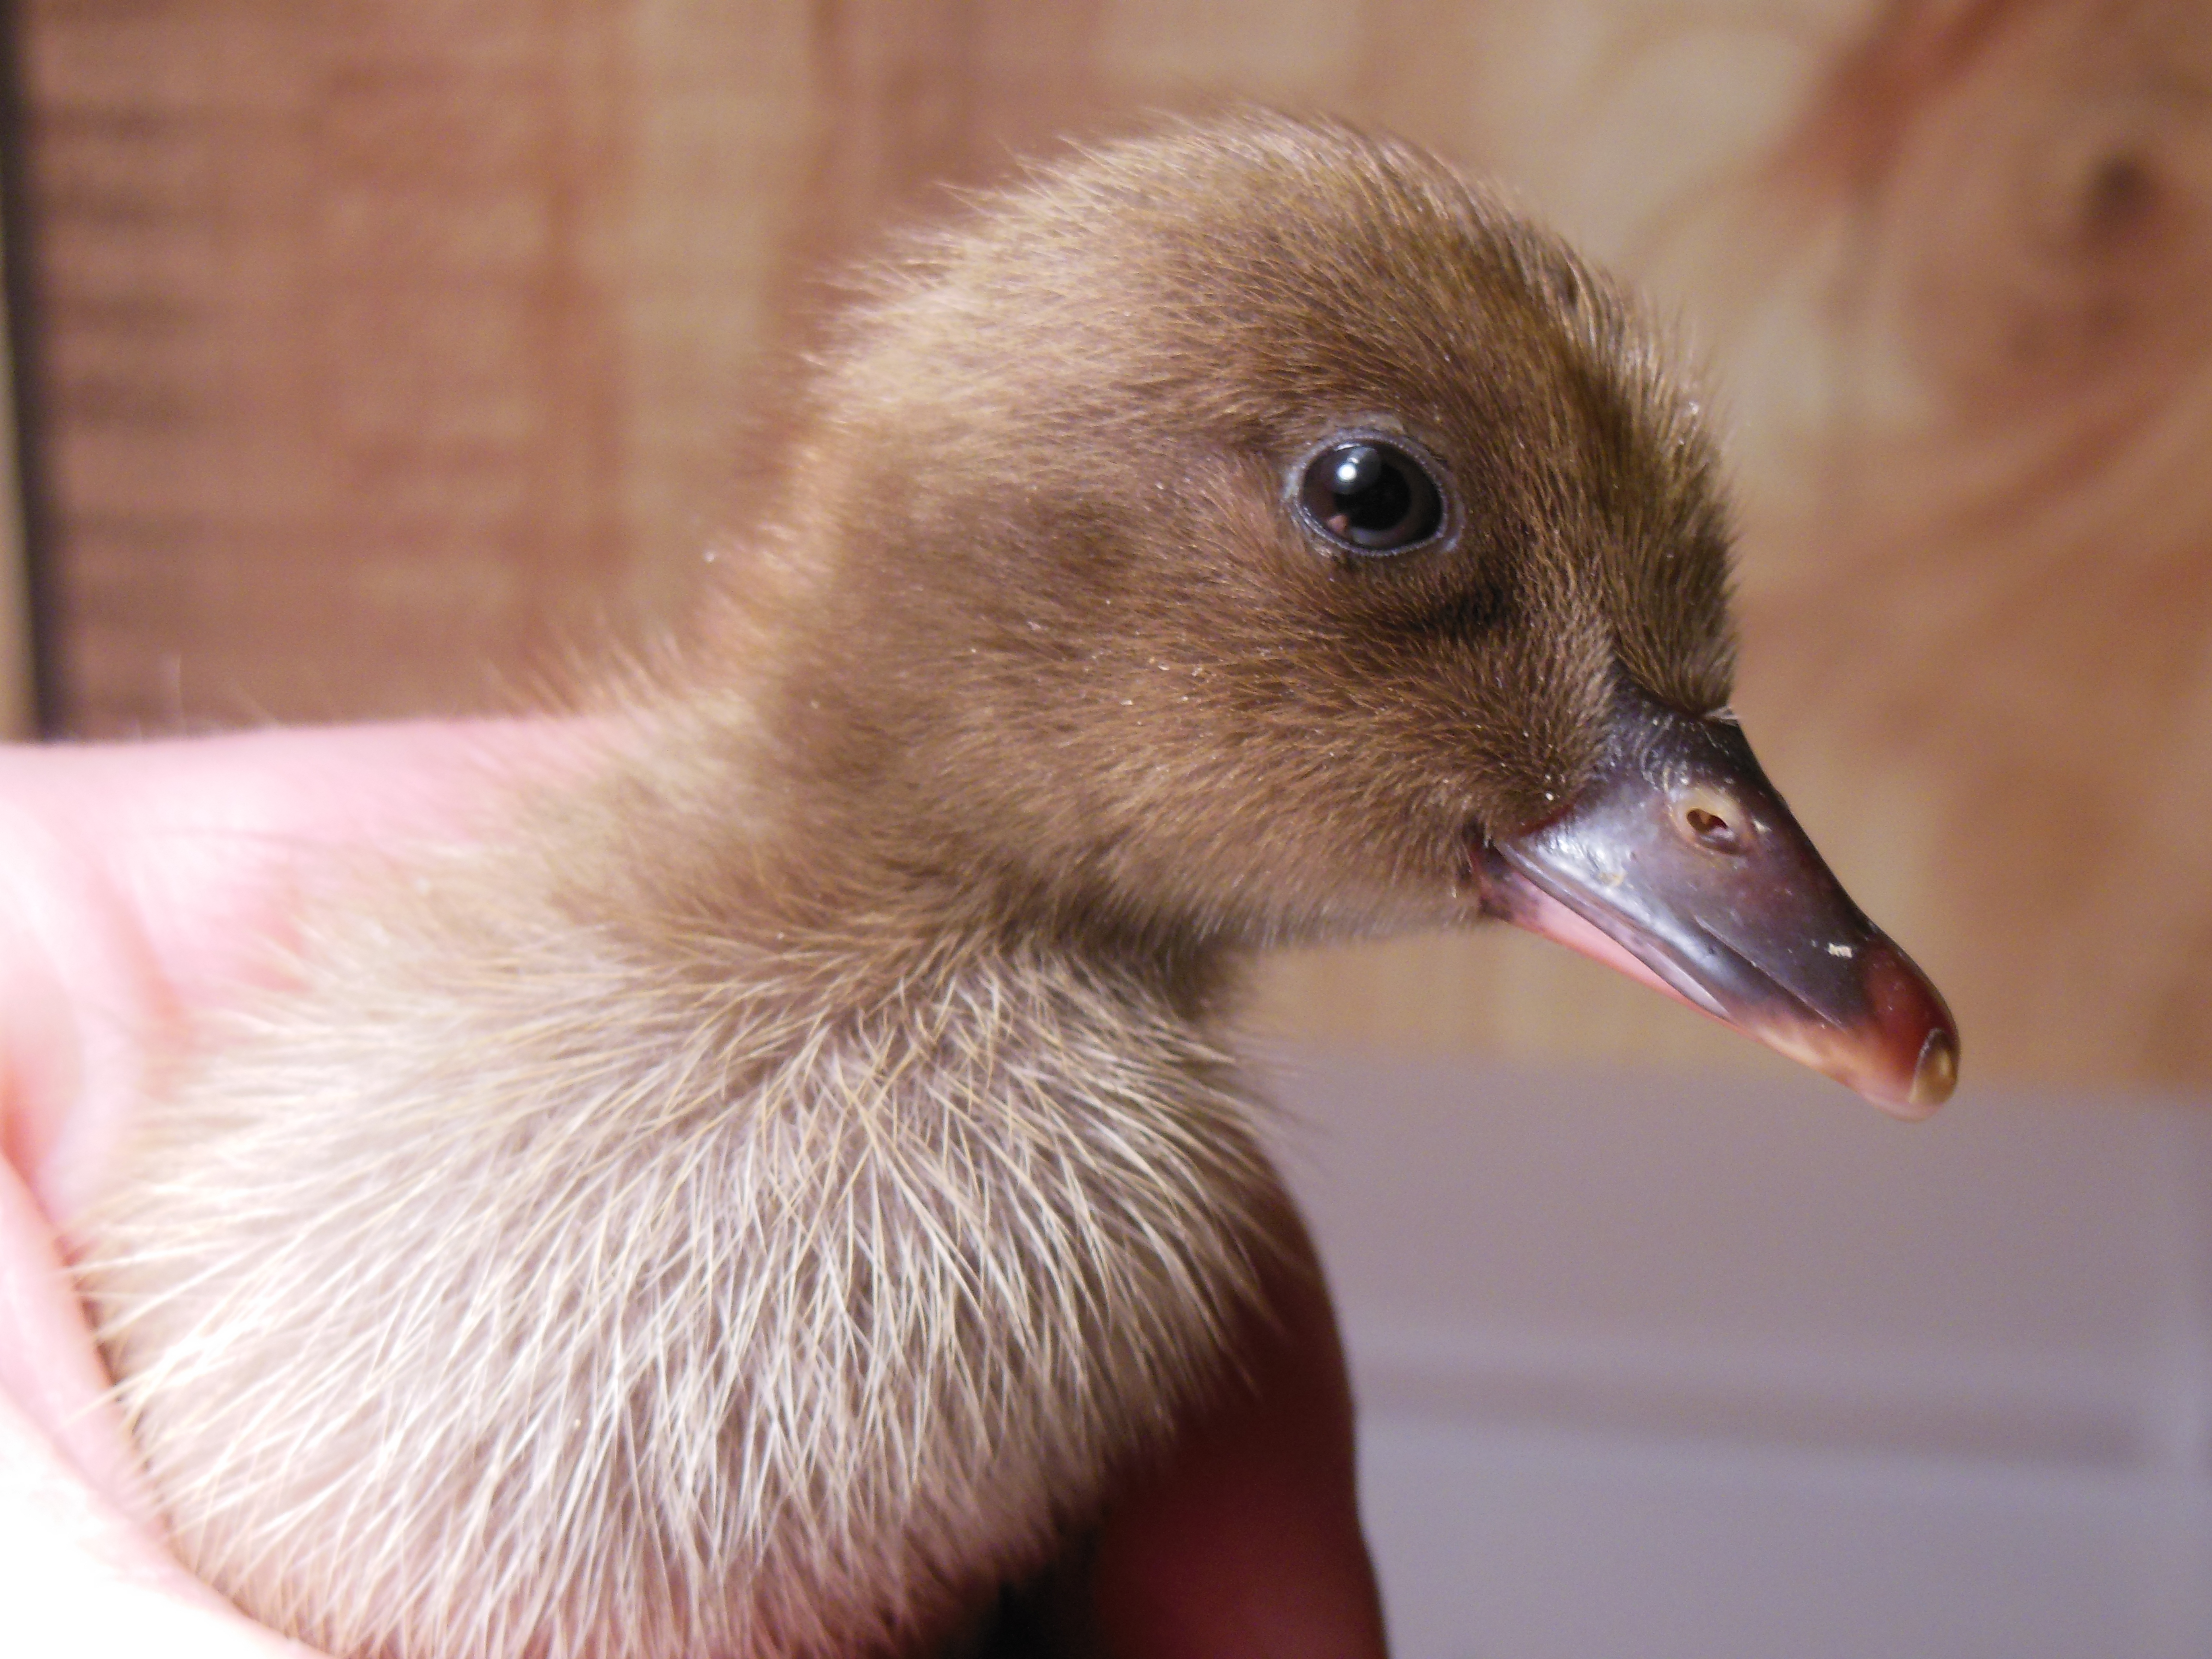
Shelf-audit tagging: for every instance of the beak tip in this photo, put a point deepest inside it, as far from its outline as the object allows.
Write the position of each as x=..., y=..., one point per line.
x=1908, y=1016
x=1936, y=1073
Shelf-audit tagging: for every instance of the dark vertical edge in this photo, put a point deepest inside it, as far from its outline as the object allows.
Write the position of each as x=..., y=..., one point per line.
x=18, y=281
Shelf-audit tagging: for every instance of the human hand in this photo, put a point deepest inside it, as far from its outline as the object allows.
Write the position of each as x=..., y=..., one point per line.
x=142, y=885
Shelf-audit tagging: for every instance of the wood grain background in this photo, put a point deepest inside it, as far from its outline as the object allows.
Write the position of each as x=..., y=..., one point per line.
x=386, y=353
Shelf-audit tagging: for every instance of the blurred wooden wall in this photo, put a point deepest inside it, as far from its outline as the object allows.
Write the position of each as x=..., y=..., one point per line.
x=19, y=677
x=386, y=352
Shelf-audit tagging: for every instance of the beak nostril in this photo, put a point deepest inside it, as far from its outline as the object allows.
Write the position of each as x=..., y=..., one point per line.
x=1713, y=822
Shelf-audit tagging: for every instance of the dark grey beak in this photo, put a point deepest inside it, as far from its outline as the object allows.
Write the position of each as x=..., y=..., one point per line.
x=1681, y=857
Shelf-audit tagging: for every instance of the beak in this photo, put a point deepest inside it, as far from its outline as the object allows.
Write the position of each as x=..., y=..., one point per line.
x=1680, y=865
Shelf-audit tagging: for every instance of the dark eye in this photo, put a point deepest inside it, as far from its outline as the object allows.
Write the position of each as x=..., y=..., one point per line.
x=1371, y=497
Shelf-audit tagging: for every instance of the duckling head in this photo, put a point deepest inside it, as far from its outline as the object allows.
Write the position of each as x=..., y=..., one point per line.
x=1253, y=533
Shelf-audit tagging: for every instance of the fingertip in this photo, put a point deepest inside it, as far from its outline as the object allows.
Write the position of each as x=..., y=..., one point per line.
x=80, y=993
x=1246, y=1540
x=49, y=1368
x=141, y=883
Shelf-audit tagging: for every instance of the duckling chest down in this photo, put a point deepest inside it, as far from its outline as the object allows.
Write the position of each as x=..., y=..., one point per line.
x=450, y=1328
x=771, y=1189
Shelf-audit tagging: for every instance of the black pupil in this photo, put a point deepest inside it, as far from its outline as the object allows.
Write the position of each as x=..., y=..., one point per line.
x=1373, y=497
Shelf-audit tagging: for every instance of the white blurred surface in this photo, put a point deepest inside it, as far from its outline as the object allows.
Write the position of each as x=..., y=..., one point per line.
x=1652, y=1367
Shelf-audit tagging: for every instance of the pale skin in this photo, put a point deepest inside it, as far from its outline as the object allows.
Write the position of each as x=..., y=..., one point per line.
x=143, y=886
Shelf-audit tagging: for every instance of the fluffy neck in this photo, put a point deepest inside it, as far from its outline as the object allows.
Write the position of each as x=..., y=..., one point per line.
x=758, y=1246
x=777, y=851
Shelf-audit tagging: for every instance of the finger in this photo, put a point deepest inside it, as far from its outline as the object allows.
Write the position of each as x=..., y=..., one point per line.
x=141, y=883
x=49, y=1368
x=137, y=884
x=78, y=1577
x=1247, y=1542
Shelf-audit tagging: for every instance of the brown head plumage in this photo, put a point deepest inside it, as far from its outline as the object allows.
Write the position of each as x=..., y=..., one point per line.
x=1063, y=618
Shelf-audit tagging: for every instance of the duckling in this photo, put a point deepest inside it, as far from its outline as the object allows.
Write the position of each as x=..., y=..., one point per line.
x=763, y=1194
